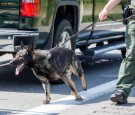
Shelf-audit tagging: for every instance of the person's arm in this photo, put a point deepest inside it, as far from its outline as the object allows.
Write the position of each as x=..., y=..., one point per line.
x=108, y=7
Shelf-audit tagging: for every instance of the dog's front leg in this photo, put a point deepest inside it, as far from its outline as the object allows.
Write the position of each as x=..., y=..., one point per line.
x=46, y=86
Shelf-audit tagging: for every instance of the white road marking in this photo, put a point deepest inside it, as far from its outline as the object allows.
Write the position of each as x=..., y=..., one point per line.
x=62, y=104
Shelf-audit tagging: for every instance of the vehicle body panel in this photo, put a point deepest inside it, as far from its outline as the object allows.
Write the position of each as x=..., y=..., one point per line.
x=9, y=13
x=42, y=25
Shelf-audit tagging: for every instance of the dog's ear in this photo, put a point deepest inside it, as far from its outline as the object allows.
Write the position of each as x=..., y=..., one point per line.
x=30, y=47
x=22, y=45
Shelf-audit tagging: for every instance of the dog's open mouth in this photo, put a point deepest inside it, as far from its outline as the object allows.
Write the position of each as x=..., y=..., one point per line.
x=19, y=68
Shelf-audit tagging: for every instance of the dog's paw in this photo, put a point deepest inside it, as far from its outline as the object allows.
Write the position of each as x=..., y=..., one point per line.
x=72, y=93
x=79, y=99
x=46, y=102
x=85, y=88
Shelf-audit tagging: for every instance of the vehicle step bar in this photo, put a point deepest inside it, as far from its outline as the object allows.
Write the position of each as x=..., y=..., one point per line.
x=85, y=39
x=101, y=49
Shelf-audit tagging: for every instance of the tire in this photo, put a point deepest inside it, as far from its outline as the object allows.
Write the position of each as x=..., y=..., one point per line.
x=62, y=32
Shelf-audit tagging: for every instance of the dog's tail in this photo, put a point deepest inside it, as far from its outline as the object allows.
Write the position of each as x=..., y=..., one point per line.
x=78, y=71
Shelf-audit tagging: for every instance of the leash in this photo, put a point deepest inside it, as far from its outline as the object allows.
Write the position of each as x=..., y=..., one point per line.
x=125, y=19
x=81, y=31
x=62, y=44
x=78, y=33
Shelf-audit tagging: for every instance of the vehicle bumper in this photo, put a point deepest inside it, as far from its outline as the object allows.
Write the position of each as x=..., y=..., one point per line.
x=10, y=39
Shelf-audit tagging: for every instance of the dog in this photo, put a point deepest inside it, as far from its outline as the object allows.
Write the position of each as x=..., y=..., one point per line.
x=56, y=63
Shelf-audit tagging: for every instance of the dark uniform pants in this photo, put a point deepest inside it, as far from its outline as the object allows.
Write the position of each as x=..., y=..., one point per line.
x=127, y=68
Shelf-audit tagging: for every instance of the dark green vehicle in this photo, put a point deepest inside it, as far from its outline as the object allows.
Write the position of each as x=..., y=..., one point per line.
x=50, y=22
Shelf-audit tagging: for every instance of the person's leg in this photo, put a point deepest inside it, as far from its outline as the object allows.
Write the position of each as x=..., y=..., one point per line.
x=127, y=68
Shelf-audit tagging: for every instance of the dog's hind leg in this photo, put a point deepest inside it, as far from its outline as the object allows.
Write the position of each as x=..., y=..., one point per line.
x=78, y=71
x=83, y=82
x=71, y=84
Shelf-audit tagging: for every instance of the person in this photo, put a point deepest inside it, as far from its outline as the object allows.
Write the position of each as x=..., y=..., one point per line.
x=127, y=69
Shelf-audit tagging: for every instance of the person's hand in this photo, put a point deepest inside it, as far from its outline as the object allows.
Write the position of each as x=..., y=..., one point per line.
x=103, y=15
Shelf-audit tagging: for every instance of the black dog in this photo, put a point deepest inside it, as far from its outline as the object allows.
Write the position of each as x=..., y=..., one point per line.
x=51, y=64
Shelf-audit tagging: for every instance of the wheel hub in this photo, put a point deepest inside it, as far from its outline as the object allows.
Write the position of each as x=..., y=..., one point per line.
x=65, y=36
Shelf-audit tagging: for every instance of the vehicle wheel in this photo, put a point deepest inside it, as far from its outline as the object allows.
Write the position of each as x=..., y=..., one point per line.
x=123, y=52
x=63, y=31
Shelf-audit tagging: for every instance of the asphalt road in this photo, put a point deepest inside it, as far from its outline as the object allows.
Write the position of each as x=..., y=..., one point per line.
x=23, y=92
x=102, y=106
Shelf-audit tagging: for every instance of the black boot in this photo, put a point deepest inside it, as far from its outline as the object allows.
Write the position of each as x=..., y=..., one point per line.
x=119, y=98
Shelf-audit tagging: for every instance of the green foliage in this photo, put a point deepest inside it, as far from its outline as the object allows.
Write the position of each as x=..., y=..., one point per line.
x=87, y=1
x=88, y=18
x=90, y=1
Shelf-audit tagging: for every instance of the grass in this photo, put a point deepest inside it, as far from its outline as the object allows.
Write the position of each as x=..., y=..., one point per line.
x=116, y=12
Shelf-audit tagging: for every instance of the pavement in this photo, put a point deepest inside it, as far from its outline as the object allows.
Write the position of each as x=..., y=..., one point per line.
x=95, y=103
x=100, y=105
x=109, y=108
x=104, y=107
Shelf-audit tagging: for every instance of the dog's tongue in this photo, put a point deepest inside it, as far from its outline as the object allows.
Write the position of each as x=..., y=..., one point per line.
x=19, y=68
